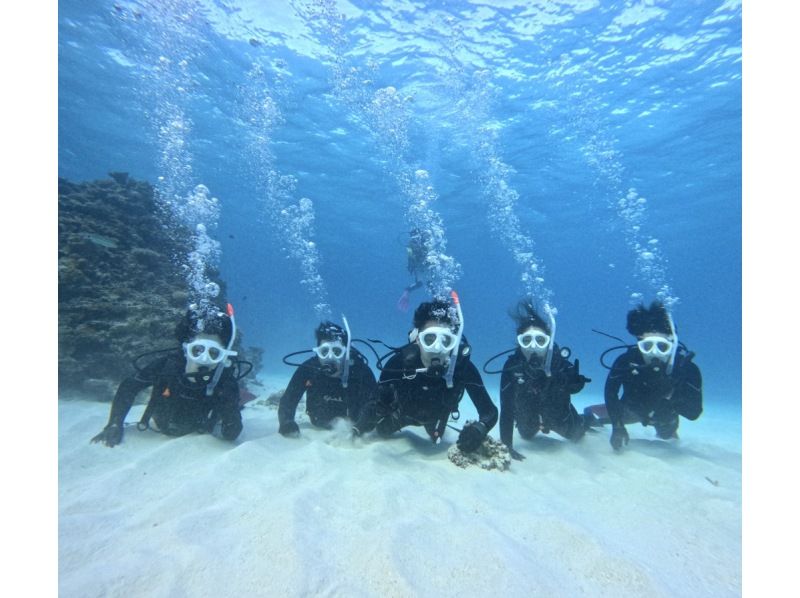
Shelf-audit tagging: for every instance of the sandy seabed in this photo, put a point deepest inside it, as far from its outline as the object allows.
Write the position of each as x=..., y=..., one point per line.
x=324, y=515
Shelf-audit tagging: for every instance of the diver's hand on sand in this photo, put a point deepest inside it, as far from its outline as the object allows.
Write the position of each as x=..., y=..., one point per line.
x=516, y=455
x=289, y=429
x=619, y=435
x=110, y=436
x=471, y=437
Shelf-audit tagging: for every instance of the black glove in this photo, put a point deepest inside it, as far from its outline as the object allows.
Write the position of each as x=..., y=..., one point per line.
x=619, y=435
x=471, y=437
x=110, y=436
x=578, y=380
x=289, y=429
x=516, y=455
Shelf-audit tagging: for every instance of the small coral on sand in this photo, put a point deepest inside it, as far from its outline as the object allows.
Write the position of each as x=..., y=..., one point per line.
x=489, y=455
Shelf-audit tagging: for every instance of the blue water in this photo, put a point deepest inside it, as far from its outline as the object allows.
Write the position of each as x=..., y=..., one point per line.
x=588, y=100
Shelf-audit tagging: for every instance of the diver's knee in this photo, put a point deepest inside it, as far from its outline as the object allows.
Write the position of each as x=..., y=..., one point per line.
x=386, y=427
x=231, y=431
x=527, y=431
x=667, y=429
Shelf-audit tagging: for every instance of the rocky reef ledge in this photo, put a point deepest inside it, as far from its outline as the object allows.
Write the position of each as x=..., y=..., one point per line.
x=120, y=285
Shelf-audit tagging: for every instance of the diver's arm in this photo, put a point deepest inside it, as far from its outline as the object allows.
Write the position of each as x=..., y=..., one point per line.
x=229, y=412
x=507, y=388
x=365, y=390
x=132, y=386
x=557, y=388
x=123, y=400
x=613, y=384
x=392, y=372
x=574, y=380
x=389, y=382
x=383, y=395
x=111, y=435
x=292, y=395
x=688, y=394
x=487, y=411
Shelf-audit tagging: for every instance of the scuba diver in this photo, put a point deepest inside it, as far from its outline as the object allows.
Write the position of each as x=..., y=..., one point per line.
x=194, y=386
x=423, y=382
x=416, y=254
x=537, y=381
x=337, y=381
x=659, y=381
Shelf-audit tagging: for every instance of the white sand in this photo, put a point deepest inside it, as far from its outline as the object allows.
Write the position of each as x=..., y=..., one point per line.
x=324, y=516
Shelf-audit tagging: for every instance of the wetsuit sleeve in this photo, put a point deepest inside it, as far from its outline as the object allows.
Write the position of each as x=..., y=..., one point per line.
x=573, y=380
x=378, y=405
x=613, y=385
x=292, y=395
x=392, y=372
x=473, y=383
x=230, y=413
x=130, y=387
x=365, y=391
x=688, y=395
x=507, y=382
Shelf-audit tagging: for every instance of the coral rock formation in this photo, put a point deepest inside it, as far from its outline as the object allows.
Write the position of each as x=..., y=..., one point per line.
x=120, y=286
x=489, y=455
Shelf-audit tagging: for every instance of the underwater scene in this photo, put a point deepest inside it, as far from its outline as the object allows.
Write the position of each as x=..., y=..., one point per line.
x=384, y=298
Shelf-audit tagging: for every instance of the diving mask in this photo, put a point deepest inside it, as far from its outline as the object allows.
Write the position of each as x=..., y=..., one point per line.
x=534, y=340
x=331, y=357
x=437, y=339
x=655, y=347
x=437, y=344
x=206, y=352
x=327, y=350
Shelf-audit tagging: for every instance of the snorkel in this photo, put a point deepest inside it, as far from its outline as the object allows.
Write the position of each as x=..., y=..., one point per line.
x=346, y=367
x=674, y=352
x=221, y=365
x=451, y=368
x=549, y=359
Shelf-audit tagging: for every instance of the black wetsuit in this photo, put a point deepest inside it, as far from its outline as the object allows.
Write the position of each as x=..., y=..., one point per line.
x=406, y=398
x=178, y=405
x=651, y=397
x=538, y=402
x=326, y=399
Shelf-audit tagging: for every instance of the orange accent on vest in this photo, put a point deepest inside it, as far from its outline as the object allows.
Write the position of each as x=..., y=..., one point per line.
x=166, y=393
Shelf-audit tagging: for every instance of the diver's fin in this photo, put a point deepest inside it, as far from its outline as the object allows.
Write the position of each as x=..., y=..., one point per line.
x=595, y=416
